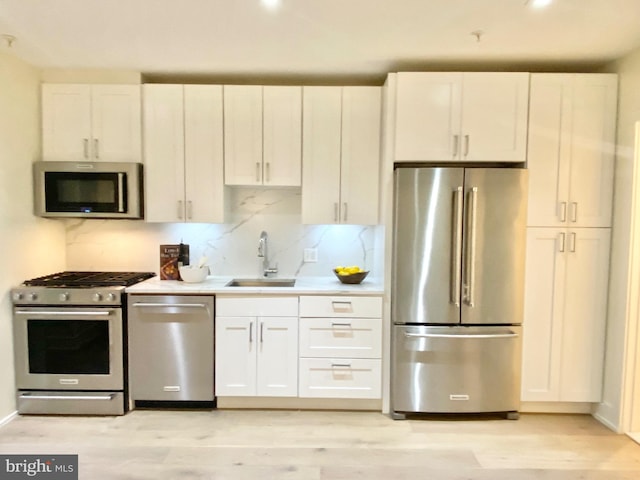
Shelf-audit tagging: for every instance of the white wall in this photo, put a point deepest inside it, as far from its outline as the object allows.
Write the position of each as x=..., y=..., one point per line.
x=620, y=297
x=30, y=246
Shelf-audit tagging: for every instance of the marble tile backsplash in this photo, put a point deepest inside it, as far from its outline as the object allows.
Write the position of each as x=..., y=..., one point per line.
x=231, y=248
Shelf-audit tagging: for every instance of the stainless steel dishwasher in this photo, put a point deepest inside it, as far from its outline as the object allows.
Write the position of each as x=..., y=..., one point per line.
x=171, y=358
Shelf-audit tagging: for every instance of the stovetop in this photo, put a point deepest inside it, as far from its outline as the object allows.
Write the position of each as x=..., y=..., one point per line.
x=77, y=288
x=89, y=279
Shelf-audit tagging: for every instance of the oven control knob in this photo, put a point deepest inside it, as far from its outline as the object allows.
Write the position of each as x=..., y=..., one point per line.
x=17, y=296
x=33, y=297
x=64, y=297
x=97, y=297
x=111, y=297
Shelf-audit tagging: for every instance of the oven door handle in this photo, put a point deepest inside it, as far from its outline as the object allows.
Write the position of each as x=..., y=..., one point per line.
x=72, y=313
x=107, y=397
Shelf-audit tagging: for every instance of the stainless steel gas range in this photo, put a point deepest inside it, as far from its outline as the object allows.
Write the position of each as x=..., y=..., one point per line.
x=70, y=342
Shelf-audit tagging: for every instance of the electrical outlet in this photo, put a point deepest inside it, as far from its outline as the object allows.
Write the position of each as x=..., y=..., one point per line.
x=310, y=255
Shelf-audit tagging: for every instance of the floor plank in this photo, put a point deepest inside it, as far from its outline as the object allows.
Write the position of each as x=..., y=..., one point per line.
x=311, y=445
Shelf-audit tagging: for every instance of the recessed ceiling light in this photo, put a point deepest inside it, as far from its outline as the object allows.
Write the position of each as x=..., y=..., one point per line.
x=270, y=4
x=538, y=3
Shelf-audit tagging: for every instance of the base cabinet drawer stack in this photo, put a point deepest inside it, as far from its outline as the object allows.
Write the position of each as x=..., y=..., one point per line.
x=340, y=347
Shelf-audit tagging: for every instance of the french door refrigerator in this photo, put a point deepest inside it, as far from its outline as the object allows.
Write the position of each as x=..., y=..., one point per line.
x=457, y=289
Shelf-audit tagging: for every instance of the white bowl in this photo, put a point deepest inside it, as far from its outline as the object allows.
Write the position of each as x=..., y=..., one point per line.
x=193, y=273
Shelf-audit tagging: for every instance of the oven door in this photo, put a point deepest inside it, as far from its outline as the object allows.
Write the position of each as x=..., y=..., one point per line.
x=77, y=348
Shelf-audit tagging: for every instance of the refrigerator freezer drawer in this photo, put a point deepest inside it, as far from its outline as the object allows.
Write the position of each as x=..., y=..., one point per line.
x=456, y=369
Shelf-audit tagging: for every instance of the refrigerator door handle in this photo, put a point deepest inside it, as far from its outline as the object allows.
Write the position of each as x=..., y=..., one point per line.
x=471, y=246
x=450, y=335
x=456, y=258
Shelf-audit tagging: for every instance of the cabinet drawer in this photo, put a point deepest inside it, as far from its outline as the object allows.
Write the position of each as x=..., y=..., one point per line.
x=340, y=378
x=320, y=306
x=349, y=337
x=257, y=306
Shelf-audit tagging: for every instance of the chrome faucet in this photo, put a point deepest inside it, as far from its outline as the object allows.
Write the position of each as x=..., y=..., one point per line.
x=263, y=252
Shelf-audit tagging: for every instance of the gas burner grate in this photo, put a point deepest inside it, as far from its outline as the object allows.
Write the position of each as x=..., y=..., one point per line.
x=89, y=279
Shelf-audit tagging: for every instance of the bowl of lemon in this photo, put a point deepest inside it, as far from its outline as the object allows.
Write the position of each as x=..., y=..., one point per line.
x=351, y=275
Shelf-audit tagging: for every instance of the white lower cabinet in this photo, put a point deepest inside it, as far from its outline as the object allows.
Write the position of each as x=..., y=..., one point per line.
x=340, y=347
x=565, y=314
x=256, y=346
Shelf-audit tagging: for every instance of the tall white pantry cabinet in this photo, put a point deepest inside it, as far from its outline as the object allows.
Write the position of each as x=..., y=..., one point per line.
x=572, y=120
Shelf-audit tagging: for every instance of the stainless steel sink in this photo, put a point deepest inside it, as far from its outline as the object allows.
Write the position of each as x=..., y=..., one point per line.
x=262, y=282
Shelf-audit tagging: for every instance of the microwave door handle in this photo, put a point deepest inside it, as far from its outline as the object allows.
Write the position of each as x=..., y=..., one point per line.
x=121, y=192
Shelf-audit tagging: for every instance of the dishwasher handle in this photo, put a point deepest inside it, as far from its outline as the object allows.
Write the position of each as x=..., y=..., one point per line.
x=168, y=305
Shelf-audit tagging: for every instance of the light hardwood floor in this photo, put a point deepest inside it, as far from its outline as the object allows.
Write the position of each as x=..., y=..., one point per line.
x=307, y=445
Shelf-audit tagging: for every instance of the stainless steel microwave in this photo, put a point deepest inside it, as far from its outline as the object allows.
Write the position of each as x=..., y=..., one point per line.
x=88, y=189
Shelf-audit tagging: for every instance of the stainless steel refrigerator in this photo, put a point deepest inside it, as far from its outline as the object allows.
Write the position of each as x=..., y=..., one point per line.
x=457, y=289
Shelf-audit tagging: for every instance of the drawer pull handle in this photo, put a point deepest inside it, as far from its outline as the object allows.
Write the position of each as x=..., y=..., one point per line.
x=340, y=365
x=342, y=307
x=171, y=388
x=346, y=325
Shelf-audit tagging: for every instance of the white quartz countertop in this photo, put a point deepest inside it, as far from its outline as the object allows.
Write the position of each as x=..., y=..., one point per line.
x=217, y=285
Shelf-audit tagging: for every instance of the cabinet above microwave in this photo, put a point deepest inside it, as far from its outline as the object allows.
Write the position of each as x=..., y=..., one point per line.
x=88, y=189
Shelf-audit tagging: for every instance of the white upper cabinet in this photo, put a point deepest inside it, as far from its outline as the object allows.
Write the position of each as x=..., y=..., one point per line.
x=572, y=127
x=461, y=117
x=183, y=153
x=262, y=132
x=341, y=155
x=91, y=122
x=282, y=136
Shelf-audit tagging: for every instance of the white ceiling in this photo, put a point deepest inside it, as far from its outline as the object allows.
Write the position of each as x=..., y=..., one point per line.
x=348, y=38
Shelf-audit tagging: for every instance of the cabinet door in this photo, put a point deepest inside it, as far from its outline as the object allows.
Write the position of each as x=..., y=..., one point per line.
x=360, y=154
x=116, y=123
x=494, y=117
x=585, y=313
x=66, y=122
x=282, y=143
x=549, y=149
x=204, y=161
x=243, y=134
x=427, y=116
x=164, y=153
x=592, y=150
x=321, y=145
x=277, y=366
x=543, y=311
x=236, y=343
x=571, y=149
